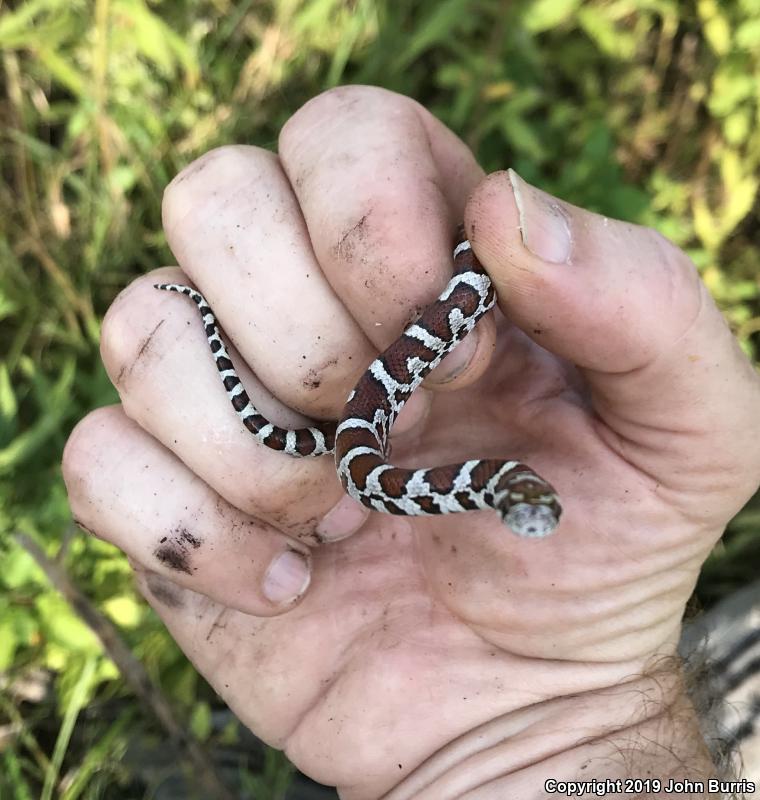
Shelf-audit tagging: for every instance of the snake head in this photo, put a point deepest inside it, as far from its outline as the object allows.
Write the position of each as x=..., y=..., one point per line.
x=530, y=506
x=531, y=522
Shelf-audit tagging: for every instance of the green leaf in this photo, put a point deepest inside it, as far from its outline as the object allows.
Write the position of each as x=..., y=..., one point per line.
x=731, y=87
x=522, y=137
x=705, y=224
x=610, y=39
x=8, y=407
x=8, y=643
x=20, y=569
x=444, y=18
x=155, y=39
x=62, y=627
x=8, y=404
x=122, y=178
x=63, y=71
x=741, y=198
x=14, y=774
x=31, y=440
x=111, y=746
x=542, y=15
x=715, y=25
x=77, y=701
x=15, y=25
x=737, y=126
x=353, y=32
x=7, y=306
x=200, y=721
x=124, y=611
x=748, y=34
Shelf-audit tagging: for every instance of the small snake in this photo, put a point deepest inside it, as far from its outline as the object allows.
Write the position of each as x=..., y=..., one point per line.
x=360, y=439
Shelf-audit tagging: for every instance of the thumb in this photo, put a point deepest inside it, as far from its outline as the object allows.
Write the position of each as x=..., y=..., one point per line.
x=678, y=397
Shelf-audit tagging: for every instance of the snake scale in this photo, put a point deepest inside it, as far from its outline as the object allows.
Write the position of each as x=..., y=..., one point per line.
x=360, y=439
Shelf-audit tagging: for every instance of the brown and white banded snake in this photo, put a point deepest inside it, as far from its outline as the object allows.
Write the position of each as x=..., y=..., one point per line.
x=526, y=503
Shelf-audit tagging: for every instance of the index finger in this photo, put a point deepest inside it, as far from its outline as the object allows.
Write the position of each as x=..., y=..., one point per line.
x=382, y=184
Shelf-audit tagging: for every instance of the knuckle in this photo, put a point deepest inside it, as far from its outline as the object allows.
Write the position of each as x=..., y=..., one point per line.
x=670, y=253
x=129, y=327
x=345, y=102
x=80, y=455
x=116, y=333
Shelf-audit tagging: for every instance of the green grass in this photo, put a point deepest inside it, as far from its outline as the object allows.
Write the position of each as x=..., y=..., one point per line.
x=646, y=111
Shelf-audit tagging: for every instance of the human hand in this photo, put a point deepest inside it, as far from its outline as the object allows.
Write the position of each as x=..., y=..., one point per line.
x=416, y=632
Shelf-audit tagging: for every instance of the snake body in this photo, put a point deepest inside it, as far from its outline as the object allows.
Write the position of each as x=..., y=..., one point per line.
x=360, y=439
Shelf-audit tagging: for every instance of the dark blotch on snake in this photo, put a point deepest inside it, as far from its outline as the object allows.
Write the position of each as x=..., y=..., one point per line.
x=276, y=439
x=305, y=442
x=240, y=401
x=230, y=382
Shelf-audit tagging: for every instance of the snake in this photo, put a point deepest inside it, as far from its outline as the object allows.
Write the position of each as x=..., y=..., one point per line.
x=360, y=440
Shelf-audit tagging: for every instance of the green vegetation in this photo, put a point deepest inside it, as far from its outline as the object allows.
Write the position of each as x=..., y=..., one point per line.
x=644, y=110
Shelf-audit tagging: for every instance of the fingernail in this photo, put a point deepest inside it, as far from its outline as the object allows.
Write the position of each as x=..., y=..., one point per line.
x=544, y=226
x=457, y=361
x=287, y=578
x=343, y=519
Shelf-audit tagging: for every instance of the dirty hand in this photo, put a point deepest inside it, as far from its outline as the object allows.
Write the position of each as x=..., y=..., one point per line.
x=422, y=657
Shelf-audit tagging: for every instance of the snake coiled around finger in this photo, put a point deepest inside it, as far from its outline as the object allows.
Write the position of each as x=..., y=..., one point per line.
x=526, y=503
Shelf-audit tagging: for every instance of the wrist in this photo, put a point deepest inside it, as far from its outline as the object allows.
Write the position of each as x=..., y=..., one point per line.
x=642, y=728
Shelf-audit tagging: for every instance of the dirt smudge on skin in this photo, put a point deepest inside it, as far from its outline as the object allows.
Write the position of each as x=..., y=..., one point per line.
x=81, y=525
x=144, y=347
x=146, y=344
x=193, y=541
x=173, y=558
x=305, y=532
x=220, y=623
x=174, y=551
x=164, y=591
x=346, y=247
x=315, y=376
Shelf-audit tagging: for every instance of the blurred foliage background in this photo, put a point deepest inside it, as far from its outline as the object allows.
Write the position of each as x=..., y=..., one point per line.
x=646, y=110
